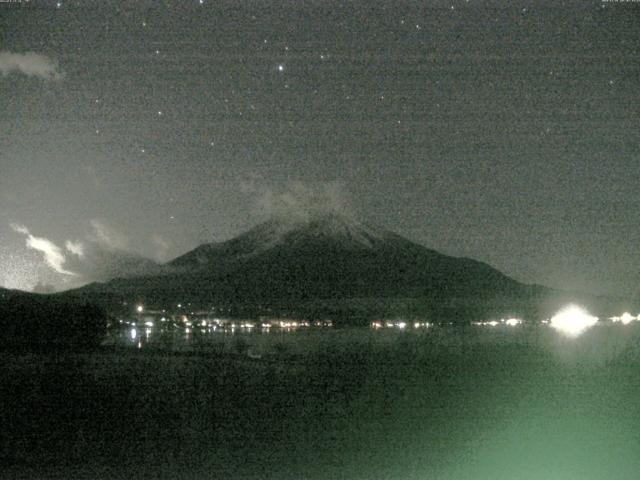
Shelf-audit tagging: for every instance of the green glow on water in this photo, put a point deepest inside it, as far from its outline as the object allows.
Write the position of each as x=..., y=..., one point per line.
x=450, y=404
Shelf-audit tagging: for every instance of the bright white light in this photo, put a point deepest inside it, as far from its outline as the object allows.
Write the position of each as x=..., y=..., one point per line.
x=281, y=68
x=627, y=318
x=401, y=325
x=148, y=324
x=133, y=334
x=139, y=308
x=572, y=321
x=512, y=322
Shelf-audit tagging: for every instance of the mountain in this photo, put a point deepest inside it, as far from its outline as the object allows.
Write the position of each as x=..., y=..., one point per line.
x=31, y=321
x=333, y=256
x=320, y=266
x=280, y=233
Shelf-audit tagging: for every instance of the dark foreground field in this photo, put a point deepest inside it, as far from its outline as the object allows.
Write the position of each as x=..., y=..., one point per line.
x=458, y=404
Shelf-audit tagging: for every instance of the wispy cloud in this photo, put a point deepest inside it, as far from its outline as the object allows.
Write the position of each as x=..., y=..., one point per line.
x=108, y=236
x=299, y=200
x=53, y=254
x=101, y=255
x=162, y=247
x=20, y=228
x=77, y=248
x=31, y=64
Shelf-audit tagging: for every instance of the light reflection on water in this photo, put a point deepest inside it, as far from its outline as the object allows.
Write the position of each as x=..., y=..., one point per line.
x=504, y=401
x=602, y=340
x=198, y=337
x=529, y=421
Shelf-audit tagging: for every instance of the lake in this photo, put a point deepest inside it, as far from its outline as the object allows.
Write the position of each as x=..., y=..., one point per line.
x=474, y=402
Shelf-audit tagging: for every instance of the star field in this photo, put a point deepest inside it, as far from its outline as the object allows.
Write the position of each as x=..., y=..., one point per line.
x=506, y=133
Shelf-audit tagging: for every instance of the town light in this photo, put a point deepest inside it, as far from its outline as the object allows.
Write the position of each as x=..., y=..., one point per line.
x=625, y=318
x=572, y=321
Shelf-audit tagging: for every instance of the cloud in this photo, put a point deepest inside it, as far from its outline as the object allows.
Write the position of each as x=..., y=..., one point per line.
x=105, y=254
x=20, y=228
x=53, y=255
x=162, y=247
x=77, y=248
x=99, y=263
x=300, y=201
x=100, y=256
x=107, y=236
x=31, y=64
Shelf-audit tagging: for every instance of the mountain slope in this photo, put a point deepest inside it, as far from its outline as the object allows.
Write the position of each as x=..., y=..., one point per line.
x=281, y=233
x=325, y=261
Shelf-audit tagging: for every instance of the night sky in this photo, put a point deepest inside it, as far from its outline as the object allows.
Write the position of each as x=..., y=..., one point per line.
x=502, y=131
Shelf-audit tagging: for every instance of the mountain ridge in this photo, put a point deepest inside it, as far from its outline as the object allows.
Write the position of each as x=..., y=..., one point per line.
x=333, y=266
x=279, y=230
x=321, y=265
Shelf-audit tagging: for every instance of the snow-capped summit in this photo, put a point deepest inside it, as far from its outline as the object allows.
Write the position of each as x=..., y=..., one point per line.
x=316, y=260
x=295, y=232
x=342, y=229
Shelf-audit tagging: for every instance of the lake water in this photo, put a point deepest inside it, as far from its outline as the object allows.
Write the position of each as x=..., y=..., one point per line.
x=522, y=402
